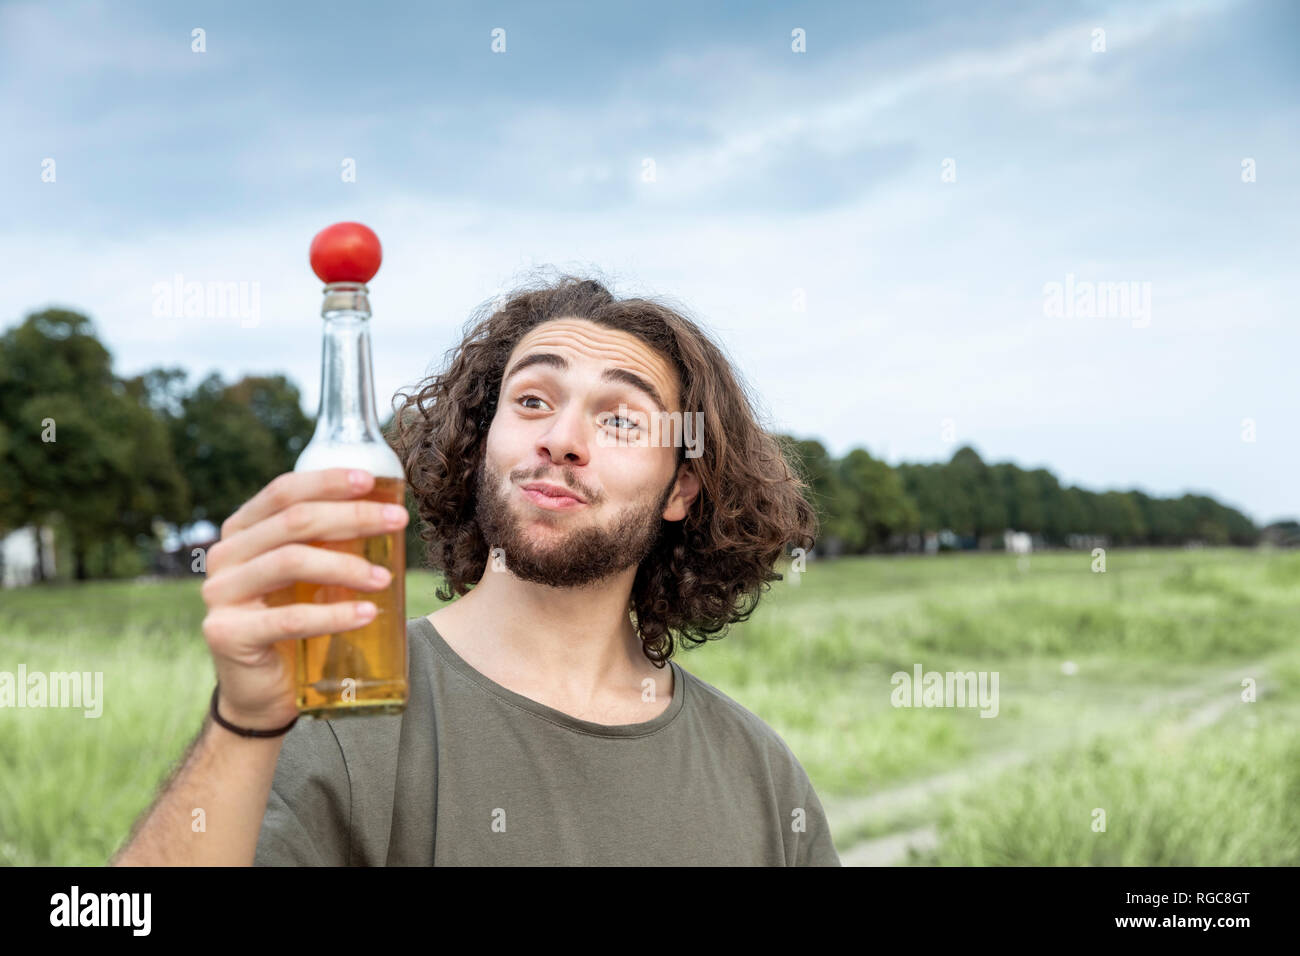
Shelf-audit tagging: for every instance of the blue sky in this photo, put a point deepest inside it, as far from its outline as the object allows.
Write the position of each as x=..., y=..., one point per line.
x=798, y=208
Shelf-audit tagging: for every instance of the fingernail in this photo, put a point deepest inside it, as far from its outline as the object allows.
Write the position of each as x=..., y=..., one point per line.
x=358, y=479
x=365, y=610
x=394, y=513
x=380, y=575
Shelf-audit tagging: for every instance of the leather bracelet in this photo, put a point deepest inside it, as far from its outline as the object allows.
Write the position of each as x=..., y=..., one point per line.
x=244, y=731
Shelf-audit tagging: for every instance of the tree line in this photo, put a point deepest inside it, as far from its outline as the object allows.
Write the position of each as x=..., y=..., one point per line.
x=866, y=506
x=111, y=462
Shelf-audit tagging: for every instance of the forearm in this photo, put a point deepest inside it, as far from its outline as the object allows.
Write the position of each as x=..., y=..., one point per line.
x=228, y=778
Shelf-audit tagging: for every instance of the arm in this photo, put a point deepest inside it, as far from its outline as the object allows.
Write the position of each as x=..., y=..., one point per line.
x=248, y=626
x=815, y=847
x=229, y=778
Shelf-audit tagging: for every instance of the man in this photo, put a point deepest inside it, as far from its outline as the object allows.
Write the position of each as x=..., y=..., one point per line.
x=586, y=527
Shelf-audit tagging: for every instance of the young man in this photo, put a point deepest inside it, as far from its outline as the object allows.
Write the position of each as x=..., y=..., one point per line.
x=585, y=534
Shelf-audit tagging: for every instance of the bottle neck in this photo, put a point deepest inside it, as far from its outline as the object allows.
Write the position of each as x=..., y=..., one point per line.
x=347, y=395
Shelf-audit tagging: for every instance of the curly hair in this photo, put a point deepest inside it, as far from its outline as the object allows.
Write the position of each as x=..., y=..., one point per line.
x=706, y=571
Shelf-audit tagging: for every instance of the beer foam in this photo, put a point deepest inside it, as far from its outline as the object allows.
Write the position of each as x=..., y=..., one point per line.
x=375, y=457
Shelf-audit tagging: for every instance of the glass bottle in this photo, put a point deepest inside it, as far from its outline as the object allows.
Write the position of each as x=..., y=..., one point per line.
x=364, y=670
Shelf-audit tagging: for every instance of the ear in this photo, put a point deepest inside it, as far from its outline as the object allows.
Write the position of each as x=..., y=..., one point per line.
x=686, y=487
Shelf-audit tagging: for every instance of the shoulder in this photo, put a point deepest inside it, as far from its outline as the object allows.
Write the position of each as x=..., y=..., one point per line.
x=733, y=729
x=735, y=725
x=725, y=712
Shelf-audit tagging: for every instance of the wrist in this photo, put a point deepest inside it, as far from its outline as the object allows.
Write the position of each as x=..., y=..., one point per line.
x=247, y=727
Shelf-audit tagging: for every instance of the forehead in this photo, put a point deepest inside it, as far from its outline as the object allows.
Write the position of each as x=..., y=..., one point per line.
x=579, y=339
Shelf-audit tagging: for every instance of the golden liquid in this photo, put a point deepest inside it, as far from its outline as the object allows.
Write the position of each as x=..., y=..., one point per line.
x=361, y=671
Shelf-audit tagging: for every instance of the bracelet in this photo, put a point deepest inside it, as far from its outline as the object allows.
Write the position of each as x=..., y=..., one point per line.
x=243, y=731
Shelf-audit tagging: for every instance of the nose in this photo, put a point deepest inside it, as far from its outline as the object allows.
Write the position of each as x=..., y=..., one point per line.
x=565, y=442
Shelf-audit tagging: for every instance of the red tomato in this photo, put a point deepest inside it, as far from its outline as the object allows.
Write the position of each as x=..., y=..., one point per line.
x=345, y=252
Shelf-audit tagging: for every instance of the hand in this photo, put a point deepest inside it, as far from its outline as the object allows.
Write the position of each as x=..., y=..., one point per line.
x=261, y=551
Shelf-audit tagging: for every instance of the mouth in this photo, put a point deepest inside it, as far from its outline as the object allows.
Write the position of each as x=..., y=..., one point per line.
x=552, y=497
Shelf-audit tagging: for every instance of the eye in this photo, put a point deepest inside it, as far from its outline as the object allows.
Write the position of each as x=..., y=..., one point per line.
x=630, y=423
x=525, y=398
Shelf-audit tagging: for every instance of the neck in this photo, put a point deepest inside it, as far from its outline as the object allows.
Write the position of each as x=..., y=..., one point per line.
x=579, y=642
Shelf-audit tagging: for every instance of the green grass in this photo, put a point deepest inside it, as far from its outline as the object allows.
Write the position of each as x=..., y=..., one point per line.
x=1225, y=796
x=815, y=663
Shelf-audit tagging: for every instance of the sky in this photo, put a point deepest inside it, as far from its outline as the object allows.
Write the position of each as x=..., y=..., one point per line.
x=892, y=217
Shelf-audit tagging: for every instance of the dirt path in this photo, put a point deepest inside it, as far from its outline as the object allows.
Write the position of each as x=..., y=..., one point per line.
x=891, y=849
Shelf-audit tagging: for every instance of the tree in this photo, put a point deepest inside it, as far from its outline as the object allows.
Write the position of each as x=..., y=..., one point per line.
x=874, y=505
x=817, y=469
x=1046, y=492
x=233, y=439
x=941, y=501
x=54, y=376
x=987, y=514
x=1120, y=518
x=1076, y=516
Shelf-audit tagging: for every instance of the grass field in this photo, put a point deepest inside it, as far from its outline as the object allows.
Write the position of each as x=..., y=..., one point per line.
x=1118, y=692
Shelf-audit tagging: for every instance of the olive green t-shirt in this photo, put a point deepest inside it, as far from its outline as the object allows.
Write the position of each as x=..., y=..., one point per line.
x=473, y=774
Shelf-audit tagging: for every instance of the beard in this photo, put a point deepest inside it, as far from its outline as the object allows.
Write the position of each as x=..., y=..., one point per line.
x=583, y=556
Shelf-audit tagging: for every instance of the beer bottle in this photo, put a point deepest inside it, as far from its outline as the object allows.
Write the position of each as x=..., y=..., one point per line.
x=364, y=670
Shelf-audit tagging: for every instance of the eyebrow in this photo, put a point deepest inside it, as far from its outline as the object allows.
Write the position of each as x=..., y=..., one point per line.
x=620, y=375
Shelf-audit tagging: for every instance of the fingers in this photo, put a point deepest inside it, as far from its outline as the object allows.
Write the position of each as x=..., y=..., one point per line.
x=240, y=583
x=307, y=521
x=295, y=486
x=244, y=634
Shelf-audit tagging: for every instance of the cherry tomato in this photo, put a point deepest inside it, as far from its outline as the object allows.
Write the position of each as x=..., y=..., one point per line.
x=346, y=252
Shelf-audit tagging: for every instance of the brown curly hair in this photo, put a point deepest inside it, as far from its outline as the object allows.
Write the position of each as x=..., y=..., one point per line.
x=706, y=571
